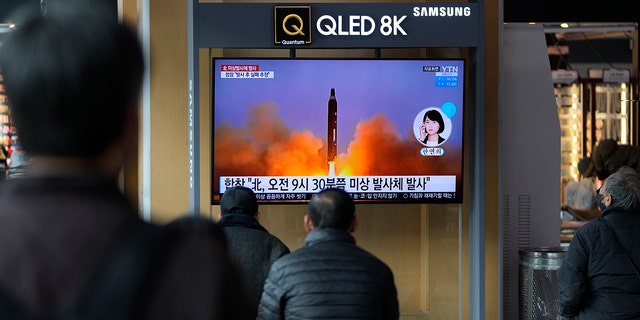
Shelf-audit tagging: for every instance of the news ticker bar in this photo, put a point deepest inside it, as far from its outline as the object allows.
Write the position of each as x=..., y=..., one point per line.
x=423, y=197
x=351, y=184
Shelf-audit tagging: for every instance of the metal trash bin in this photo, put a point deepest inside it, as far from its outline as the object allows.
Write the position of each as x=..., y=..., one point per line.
x=538, y=268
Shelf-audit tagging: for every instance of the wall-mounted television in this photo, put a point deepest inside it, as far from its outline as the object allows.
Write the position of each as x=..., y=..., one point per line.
x=385, y=130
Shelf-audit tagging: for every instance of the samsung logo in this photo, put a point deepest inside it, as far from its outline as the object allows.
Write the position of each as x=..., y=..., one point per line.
x=441, y=11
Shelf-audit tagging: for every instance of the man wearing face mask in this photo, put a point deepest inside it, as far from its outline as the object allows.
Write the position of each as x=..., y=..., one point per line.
x=599, y=277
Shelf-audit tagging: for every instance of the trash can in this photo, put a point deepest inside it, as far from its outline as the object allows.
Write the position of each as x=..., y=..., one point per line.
x=538, y=298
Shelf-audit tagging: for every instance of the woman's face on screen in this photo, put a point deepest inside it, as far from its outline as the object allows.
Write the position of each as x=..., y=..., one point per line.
x=431, y=126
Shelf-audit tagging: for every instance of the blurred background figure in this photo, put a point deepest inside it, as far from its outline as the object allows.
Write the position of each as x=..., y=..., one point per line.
x=72, y=246
x=607, y=157
x=580, y=200
x=18, y=164
x=4, y=156
x=14, y=161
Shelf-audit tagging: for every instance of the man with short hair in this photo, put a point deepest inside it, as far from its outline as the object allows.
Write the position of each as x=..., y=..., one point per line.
x=71, y=244
x=330, y=277
x=250, y=244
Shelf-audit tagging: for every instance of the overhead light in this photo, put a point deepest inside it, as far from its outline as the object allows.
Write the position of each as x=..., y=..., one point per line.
x=575, y=27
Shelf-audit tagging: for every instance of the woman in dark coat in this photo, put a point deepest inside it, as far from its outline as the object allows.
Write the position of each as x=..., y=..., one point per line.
x=607, y=157
x=597, y=278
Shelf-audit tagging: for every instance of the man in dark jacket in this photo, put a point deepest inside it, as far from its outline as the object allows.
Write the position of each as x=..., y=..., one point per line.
x=330, y=277
x=250, y=244
x=597, y=278
x=72, y=246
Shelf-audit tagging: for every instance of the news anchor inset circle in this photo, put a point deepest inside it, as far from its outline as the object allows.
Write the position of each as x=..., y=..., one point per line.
x=441, y=119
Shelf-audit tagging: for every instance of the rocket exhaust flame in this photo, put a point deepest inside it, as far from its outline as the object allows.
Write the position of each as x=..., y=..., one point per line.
x=266, y=145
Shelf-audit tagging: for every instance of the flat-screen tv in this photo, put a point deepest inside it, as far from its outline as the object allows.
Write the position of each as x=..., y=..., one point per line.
x=385, y=130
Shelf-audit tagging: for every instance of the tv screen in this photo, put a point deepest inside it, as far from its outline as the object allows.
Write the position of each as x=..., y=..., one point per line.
x=384, y=130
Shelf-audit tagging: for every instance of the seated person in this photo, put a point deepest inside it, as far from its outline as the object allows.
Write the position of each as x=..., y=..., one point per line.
x=580, y=200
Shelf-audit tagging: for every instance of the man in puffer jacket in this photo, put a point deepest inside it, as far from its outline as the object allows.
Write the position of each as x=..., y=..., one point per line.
x=330, y=277
x=597, y=278
x=607, y=157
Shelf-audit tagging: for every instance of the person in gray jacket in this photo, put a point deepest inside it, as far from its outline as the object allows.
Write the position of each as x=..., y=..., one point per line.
x=597, y=279
x=253, y=248
x=330, y=277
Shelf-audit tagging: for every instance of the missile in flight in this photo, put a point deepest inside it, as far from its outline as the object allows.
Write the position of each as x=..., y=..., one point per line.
x=332, y=127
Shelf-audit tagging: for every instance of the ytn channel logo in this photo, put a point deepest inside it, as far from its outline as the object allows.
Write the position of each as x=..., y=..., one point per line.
x=292, y=25
x=441, y=69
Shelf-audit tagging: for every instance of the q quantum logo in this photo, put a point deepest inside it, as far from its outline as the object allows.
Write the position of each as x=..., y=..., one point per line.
x=292, y=25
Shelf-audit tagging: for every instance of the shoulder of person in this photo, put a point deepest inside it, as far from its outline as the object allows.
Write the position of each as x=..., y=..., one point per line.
x=592, y=228
x=197, y=267
x=282, y=247
x=607, y=147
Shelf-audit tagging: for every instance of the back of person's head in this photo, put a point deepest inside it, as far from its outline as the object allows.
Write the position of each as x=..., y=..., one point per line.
x=602, y=162
x=331, y=208
x=239, y=200
x=585, y=167
x=189, y=225
x=71, y=77
x=624, y=188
